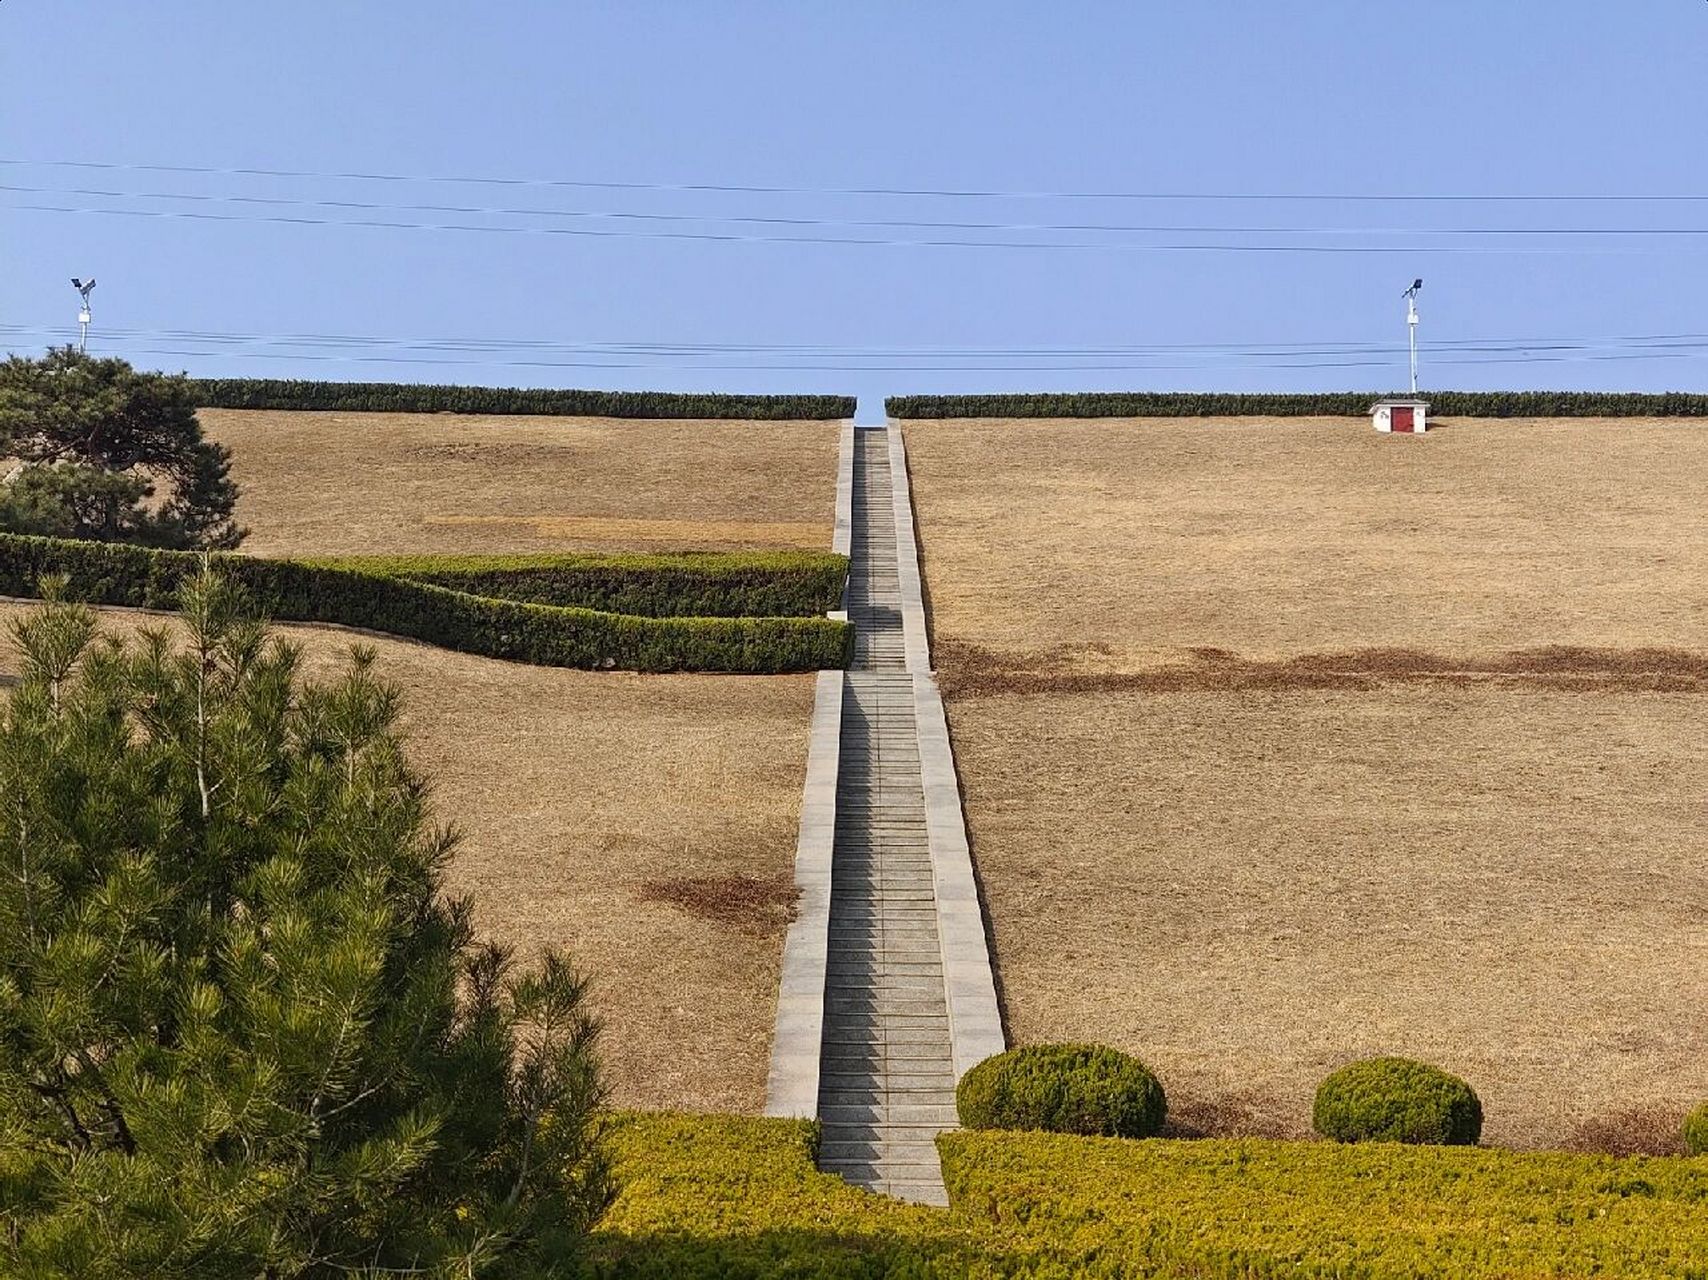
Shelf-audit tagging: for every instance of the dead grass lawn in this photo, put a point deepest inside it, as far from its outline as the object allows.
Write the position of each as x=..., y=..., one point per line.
x=1288, y=743
x=1121, y=545
x=1250, y=889
x=647, y=823
x=371, y=483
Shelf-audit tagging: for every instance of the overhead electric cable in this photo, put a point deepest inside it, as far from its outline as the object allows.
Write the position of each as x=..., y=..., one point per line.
x=889, y=224
x=722, y=361
x=750, y=238
x=931, y=192
x=692, y=350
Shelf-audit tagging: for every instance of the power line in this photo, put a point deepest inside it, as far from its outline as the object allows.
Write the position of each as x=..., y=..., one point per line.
x=362, y=351
x=862, y=224
x=973, y=193
x=752, y=238
x=693, y=349
x=913, y=368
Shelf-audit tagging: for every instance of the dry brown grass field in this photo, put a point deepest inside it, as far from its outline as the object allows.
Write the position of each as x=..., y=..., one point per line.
x=1286, y=743
x=646, y=823
x=370, y=483
x=1120, y=546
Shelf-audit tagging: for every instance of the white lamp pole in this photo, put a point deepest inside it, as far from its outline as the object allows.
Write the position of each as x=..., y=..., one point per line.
x=1411, y=328
x=84, y=315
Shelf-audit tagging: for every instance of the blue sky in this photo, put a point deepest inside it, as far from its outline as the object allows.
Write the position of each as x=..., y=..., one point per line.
x=1448, y=98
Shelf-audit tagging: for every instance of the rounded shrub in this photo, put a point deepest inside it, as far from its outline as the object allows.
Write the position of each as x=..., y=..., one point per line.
x=1086, y=1089
x=1696, y=1131
x=1397, y=1100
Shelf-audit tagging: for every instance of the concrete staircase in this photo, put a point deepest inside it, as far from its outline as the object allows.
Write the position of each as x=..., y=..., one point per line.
x=887, y=1072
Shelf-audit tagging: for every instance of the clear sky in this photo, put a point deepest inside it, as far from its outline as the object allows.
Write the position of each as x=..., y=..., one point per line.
x=1224, y=97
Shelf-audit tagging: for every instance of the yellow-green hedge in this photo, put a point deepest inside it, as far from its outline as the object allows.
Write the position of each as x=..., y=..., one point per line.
x=707, y=1196
x=1255, y=1208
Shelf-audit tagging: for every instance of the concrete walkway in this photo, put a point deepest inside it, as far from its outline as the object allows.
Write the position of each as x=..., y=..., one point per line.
x=887, y=1077
x=886, y=996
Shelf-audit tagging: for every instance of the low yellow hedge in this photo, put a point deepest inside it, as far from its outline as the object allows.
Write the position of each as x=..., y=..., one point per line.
x=722, y=1196
x=1256, y=1208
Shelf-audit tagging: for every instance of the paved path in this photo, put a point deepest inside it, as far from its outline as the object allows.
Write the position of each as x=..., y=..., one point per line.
x=887, y=1075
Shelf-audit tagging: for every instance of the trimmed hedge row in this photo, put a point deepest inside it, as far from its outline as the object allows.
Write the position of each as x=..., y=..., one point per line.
x=715, y=1196
x=1253, y=1208
x=407, y=397
x=1191, y=404
x=711, y=584
x=543, y=634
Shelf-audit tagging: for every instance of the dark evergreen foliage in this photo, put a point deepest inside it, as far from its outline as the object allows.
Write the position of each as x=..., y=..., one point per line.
x=243, y=1033
x=96, y=440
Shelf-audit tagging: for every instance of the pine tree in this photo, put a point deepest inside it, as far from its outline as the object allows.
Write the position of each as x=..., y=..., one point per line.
x=242, y=1031
x=95, y=440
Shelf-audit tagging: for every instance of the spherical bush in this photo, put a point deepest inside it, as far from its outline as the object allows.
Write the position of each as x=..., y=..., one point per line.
x=1397, y=1100
x=1696, y=1131
x=1063, y=1088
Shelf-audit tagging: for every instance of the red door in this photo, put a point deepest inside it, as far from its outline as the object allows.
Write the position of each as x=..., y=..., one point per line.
x=1401, y=418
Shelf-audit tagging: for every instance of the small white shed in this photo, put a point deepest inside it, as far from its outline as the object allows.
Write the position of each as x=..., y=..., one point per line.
x=1401, y=417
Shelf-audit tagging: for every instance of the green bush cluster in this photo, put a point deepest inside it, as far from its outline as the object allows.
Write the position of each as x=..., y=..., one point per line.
x=714, y=1196
x=1191, y=404
x=1696, y=1131
x=1397, y=1100
x=405, y=397
x=710, y=584
x=1063, y=1088
x=519, y=630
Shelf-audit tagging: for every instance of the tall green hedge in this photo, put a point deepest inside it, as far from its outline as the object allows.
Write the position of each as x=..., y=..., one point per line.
x=543, y=634
x=407, y=397
x=1192, y=404
x=716, y=1196
x=693, y=584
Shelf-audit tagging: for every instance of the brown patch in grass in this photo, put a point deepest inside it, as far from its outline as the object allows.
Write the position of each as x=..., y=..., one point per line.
x=974, y=671
x=490, y=453
x=763, y=907
x=1636, y=1131
x=329, y=483
x=573, y=791
x=1235, y=1113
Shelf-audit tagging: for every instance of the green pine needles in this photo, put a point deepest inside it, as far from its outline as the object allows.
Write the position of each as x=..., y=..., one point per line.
x=241, y=1031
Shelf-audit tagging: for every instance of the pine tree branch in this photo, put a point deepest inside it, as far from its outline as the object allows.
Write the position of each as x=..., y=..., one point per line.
x=109, y=1102
x=58, y=1097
